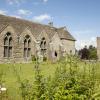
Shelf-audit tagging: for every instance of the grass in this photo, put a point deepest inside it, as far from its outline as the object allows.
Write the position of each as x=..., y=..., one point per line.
x=26, y=71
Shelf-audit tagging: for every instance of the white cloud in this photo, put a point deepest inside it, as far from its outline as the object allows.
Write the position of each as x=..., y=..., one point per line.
x=3, y=12
x=81, y=43
x=85, y=37
x=24, y=12
x=42, y=17
x=38, y=2
x=11, y=2
x=45, y=1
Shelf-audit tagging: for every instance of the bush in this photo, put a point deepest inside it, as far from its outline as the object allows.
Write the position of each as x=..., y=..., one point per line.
x=44, y=58
x=33, y=58
x=66, y=84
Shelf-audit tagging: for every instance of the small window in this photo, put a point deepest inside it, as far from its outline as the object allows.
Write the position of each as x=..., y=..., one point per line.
x=55, y=54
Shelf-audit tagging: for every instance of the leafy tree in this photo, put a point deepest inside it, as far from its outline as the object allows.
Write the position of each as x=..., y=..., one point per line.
x=88, y=53
x=84, y=53
x=92, y=52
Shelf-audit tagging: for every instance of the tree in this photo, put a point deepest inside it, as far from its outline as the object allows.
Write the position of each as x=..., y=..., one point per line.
x=84, y=53
x=92, y=52
x=88, y=53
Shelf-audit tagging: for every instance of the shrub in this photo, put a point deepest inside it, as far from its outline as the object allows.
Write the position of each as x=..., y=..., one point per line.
x=33, y=58
x=44, y=58
x=66, y=84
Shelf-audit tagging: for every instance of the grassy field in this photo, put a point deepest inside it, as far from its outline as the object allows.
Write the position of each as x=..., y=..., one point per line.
x=26, y=71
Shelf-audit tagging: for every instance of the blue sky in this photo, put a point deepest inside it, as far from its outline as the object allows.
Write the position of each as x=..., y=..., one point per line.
x=81, y=17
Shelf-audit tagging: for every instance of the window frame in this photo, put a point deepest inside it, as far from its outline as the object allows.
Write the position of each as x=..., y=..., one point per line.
x=8, y=45
x=43, y=46
x=27, y=47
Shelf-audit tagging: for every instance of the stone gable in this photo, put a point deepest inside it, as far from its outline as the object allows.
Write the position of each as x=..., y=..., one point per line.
x=21, y=39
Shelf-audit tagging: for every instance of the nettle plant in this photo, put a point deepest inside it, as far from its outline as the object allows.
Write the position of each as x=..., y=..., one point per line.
x=67, y=83
x=71, y=85
x=1, y=77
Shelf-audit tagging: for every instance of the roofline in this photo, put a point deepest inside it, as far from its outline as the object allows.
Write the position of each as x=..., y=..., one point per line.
x=67, y=39
x=44, y=25
x=22, y=19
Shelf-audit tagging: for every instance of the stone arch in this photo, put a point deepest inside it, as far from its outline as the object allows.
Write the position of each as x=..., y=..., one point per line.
x=43, y=46
x=8, y=29
x=27, y=46
x=8, y=45
x=32, y=41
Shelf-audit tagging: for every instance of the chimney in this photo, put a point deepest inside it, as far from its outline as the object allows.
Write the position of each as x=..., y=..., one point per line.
x=50, y=24
x=63, y=28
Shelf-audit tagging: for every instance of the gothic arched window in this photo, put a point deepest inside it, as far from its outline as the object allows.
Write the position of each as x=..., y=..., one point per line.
x=27, y=46
x=43, y=46
x=8, y=45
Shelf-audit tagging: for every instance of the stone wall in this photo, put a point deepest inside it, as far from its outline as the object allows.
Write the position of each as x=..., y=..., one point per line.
x=55, y=46
x=61, y=47
x=17, y=46
x=98, y=47
x=68, y=46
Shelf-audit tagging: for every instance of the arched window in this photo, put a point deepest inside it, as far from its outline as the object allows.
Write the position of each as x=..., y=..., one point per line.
x=43, y=46
x=8, y=45
x=27, y=46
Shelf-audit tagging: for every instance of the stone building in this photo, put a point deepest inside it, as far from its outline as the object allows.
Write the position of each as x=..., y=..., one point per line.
x=98, y=48
x=21, y=39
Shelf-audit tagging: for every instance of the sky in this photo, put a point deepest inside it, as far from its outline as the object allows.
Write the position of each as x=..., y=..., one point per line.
x=81, y=17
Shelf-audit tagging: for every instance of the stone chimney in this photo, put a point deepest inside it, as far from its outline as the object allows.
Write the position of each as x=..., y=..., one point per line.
x=63, y=28
x=50, y=24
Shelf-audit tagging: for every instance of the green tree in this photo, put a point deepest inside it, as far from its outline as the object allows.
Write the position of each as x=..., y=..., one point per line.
x=92, y=52
x=88, y=53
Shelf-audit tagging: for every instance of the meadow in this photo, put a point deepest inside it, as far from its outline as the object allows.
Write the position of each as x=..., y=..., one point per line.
x=9, y=75
x=26, y=71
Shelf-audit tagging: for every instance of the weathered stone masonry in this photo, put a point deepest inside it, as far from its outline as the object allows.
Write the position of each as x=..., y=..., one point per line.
x=98, y=48
x=21, y=39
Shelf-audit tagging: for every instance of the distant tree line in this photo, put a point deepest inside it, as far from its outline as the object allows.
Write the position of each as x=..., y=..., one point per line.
x=88, y=53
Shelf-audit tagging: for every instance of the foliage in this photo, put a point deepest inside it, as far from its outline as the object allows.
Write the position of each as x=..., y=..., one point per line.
x=33, y=58
x=38, y=85
x=3, y=93
x=88, y=53
x=44, y=58
x=66, y=84
x=25, y=86
x=84, y=53
x=92, y=52
x=69, y=85
x=1, y=77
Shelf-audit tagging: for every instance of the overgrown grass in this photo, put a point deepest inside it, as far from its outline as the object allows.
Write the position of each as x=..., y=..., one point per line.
x=26, y=71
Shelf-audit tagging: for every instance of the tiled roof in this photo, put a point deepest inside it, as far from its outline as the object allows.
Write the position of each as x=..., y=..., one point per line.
x=20, y=25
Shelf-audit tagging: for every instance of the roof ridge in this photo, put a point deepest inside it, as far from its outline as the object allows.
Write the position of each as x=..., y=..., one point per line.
x=20, y=24
x=26, y=20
